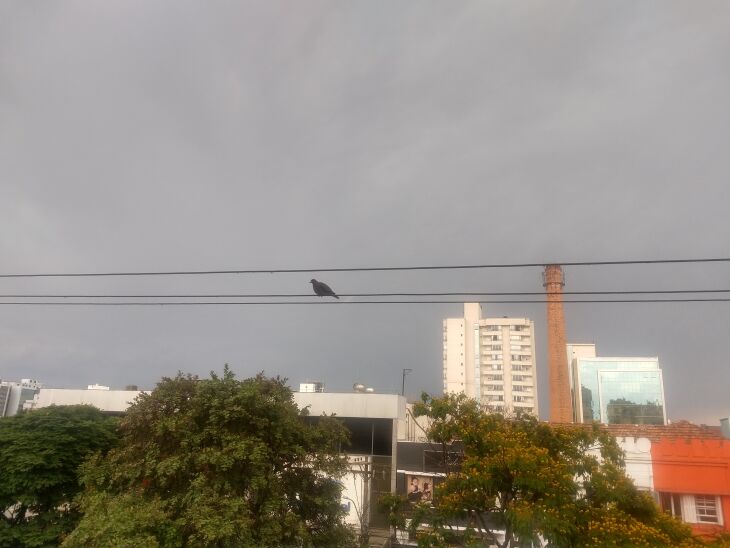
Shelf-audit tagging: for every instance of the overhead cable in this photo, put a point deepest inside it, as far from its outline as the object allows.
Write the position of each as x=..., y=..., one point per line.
x=267, y=303
x=305, y=295
x=369, y=268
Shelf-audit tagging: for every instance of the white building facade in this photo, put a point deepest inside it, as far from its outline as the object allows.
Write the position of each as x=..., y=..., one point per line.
x=491, y=360
x=107, y=401
x=14, y=395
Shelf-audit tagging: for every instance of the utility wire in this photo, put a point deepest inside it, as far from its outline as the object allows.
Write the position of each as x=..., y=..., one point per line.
x=370, y=268
x=267, y=303
x=303, y=295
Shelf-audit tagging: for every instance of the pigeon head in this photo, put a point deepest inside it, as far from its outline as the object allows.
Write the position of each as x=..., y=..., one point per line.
x=312, y=281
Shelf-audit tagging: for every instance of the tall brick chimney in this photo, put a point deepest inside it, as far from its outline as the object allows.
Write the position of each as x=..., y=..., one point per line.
x=561, y=409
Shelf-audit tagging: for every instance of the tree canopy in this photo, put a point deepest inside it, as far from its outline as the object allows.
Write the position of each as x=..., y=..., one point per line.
x=40, y=453
x=216, y=462
x=519, y=479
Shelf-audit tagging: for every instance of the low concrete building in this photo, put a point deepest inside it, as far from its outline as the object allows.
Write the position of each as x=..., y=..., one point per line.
x=374, y=422
x=109, y=401
x=689, y=471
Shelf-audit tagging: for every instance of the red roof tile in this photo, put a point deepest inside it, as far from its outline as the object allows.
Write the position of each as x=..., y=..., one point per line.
x=655, y=432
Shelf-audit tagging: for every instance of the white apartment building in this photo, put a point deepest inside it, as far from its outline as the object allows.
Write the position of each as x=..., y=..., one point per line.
x=14, y=395
x=491, y=360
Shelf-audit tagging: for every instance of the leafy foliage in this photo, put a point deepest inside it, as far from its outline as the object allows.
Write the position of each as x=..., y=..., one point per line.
x=520, y=479
x=393, y=506
x=40, y=453
x=216, y=462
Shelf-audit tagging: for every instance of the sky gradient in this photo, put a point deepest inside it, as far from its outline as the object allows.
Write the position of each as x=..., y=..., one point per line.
x=184, y=135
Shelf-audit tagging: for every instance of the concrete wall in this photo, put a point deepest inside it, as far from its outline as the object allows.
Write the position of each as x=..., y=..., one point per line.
x=353, y=404
x=109, y=401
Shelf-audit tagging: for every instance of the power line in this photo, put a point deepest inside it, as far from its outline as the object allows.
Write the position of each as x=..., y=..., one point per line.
x=368, y=268
x=268, y=303
x=305, y=295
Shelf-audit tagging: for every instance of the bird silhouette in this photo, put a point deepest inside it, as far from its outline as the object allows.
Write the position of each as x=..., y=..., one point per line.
x=322, y=289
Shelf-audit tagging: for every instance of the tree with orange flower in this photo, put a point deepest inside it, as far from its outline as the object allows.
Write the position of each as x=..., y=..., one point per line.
x=522, y=481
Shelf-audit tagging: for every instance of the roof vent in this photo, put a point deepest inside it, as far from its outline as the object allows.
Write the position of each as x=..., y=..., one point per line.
x=725, y=428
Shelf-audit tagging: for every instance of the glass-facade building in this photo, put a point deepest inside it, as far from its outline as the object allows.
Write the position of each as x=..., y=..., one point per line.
x=618, y=390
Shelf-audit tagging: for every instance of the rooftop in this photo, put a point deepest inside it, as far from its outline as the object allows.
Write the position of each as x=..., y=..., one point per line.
x=655, y=432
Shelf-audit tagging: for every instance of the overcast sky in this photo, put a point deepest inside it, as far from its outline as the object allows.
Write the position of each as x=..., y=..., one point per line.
x=227, y=135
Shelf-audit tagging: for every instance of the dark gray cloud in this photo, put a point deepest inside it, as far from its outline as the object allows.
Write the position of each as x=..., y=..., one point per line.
x=147, y=135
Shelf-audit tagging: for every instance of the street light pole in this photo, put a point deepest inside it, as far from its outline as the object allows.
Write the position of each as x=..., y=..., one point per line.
x=403, y=386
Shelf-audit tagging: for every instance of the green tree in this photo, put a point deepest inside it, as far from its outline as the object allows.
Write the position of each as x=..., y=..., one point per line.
x=394, y=507
x=217, y=462
x=40, y=454
x=519, y=478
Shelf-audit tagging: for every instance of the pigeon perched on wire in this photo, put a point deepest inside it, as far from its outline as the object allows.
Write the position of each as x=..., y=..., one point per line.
x=322, y=289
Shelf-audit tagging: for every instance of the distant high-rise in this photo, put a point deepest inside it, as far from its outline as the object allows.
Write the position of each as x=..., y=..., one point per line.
x=616, y=390
x=492, y=360
x=561, y=409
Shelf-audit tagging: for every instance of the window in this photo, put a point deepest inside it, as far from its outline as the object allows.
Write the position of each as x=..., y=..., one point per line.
x=706, y=506
x=496, y=347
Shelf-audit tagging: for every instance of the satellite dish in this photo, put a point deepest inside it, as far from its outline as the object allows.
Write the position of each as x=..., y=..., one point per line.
x=358, y=387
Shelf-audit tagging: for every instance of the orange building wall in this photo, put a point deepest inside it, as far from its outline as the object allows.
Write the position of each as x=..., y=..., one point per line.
x=695, y=466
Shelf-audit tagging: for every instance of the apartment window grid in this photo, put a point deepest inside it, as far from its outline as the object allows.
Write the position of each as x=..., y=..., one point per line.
x=706, y=506
x=477, y=361
x=500, y=348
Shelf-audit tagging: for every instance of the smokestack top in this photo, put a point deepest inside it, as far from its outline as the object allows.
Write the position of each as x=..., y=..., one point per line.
x=552, y=275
